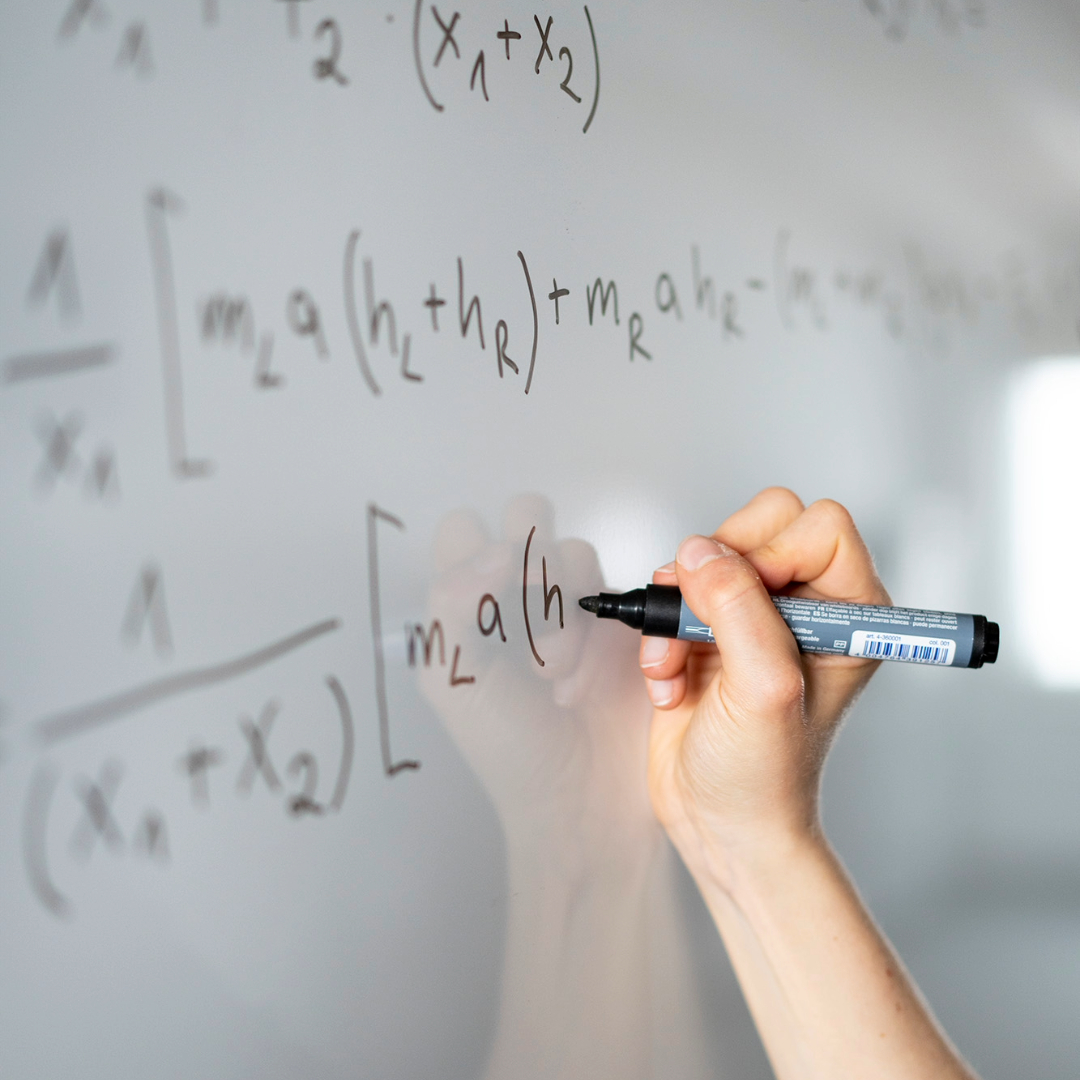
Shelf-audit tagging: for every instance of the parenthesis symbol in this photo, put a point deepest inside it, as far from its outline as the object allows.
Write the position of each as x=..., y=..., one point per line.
x=596, y=58
x=35, y=832
x=525, y=598
x=351, y=317
x=536, y=321
x=347, y=742
x=416, y=55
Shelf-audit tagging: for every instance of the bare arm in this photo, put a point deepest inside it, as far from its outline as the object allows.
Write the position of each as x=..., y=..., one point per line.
x=738, y=739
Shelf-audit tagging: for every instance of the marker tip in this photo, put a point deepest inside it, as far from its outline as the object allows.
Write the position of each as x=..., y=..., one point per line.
x=590, y=603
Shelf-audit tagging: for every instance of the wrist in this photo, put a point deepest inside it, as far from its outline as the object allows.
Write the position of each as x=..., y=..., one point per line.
x=752, y=861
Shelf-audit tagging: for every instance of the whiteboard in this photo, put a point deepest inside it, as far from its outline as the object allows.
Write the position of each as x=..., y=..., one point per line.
x=333, y=338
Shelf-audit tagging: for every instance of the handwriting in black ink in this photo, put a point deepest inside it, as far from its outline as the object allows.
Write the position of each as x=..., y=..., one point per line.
x=46, y=365
x=258, y=763
x=151, y=837
x=478, y=69
x=304, y=764
x=35, y=841
x=609, y=293
x=265, y=379
x=406, y=373
x=349, y=276
x=557, y=294
x=82, y=718
x=496, y=617
x=102, y=478
x=304, y=319
x=159, y=205
x=196, y=764
x=58, y=439
x=147, y=604
x=55, y=273
x=667, y=299
x=465, y=316
x=637, y=328
x=448, y=34
x=596, y=61
x=326, y=67
x=98, y=819
x=525, y=598
x=79, y=11
x=135, y=50
x=506, y=35
x=565, y=84
x=374, y=516
x=227, y=319
x=536, y=322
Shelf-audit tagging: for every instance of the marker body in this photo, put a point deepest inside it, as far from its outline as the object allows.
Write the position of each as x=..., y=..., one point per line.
x=911, y=635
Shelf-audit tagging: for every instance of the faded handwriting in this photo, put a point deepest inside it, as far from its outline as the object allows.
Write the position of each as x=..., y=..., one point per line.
x=100, y=825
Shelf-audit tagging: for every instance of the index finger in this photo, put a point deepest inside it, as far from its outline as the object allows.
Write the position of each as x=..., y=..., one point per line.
x=768, y=513
x=821, y=548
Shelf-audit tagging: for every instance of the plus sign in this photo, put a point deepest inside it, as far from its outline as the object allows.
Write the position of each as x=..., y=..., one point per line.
x=505, y=34
x=555, y=296
x=434, y=302
x=196, y=763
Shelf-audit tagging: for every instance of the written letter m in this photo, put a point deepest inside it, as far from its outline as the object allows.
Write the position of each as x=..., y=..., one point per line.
x=606, y=294
x=426, y=638
x=227, y=318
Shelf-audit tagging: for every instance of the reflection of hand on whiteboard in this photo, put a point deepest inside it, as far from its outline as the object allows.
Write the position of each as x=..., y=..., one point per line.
x=548, y=743
x=560, y=749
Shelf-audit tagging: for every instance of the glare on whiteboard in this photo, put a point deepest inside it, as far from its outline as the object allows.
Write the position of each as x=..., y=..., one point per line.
x=632, y=532
x=1045, y=516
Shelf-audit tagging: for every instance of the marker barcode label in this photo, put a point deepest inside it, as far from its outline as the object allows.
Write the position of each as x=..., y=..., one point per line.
x=916, y=650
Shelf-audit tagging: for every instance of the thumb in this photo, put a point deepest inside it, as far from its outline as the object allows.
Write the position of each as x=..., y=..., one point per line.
x=760, y=660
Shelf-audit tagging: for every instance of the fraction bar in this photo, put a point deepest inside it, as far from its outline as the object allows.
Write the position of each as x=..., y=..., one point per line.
x=44, y=365
x=71, y=722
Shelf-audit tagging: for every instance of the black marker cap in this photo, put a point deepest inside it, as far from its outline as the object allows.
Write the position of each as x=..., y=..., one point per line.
x=985, y=640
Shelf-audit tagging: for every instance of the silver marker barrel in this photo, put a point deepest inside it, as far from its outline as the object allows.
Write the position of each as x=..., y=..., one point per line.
x=910, y=635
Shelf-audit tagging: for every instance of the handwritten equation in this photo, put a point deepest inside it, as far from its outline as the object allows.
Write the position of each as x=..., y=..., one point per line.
x=404, y=331
x=148, y=834
x=448, y=46
x=440, y=40
x=898, y=17
x=506, y=36
x=299, y=781
x=391, y=338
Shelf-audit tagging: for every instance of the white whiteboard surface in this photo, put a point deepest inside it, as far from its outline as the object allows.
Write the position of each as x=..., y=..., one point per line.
x=234, y=485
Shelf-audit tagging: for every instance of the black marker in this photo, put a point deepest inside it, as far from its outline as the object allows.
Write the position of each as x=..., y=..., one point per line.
x=822, y=626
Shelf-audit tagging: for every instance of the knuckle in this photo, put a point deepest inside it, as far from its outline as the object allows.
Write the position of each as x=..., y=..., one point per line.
x=781, y=494
x=732, y=578
x=835, y=513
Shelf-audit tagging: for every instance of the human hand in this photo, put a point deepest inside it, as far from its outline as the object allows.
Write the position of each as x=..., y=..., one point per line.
x=740, y=730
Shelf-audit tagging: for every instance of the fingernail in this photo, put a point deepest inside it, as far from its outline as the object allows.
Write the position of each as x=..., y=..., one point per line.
x=654, y=652
x=667, y=568
x=661, y=691
x=696, y=551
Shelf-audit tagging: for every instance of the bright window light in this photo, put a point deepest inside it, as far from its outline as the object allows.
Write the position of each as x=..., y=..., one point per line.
x=1045, y=516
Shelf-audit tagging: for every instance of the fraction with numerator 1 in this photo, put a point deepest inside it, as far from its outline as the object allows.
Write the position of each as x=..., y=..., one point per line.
x=912, y=635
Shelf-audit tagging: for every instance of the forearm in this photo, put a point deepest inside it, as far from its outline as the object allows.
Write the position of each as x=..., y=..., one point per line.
x=828, y=994
x=574, y=996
